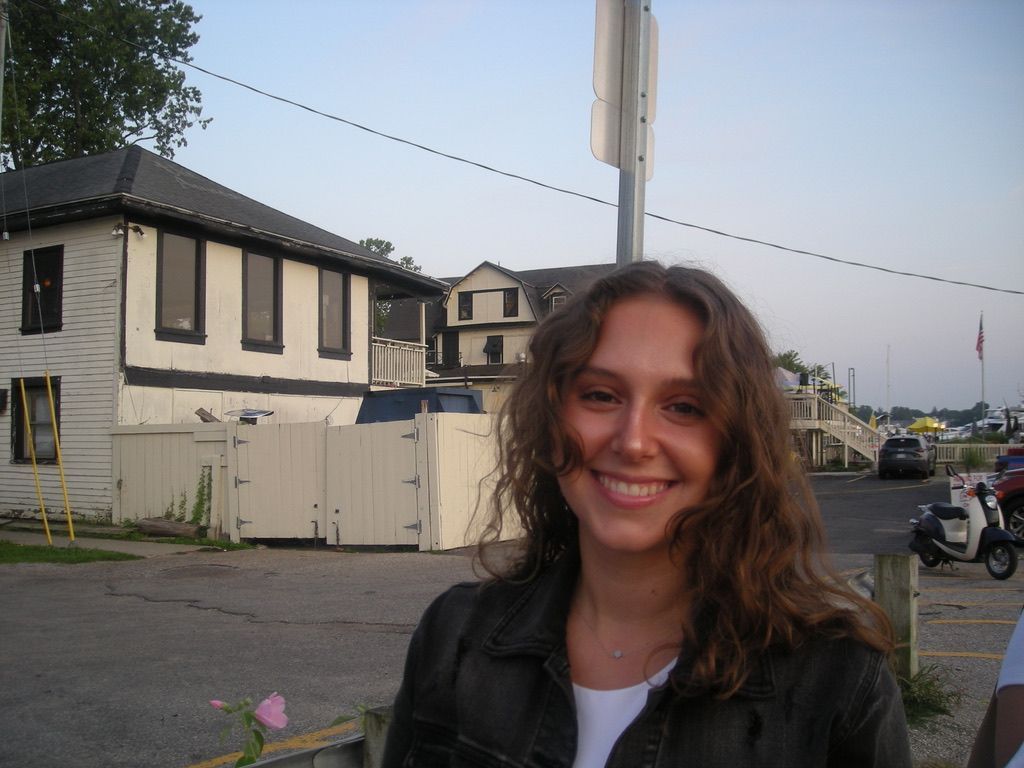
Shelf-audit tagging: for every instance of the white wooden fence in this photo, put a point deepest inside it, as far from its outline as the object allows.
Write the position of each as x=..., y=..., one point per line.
x=422, y=482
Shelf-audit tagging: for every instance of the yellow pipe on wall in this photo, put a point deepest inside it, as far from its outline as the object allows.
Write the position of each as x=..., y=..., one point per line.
x=32, y=454
x=60, y=462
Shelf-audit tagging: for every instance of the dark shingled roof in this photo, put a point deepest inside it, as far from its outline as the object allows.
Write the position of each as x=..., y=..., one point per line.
x=135, y=180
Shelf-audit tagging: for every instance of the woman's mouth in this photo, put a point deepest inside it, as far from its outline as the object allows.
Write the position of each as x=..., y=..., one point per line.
x=637, y=490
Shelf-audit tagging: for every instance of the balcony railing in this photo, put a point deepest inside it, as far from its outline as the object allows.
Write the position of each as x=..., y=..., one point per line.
x=812, y=412
x=398, y=363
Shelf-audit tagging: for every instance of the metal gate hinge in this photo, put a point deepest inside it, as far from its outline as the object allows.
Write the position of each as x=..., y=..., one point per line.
x=238, y=482
x=417, y=526
x=414, y=435
x=237, y=441
x=414, y=481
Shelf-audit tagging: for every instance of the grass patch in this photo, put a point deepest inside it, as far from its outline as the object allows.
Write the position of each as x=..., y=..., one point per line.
x=127, y=533
x=28, y=553
x=927, y=694
x=136, y=536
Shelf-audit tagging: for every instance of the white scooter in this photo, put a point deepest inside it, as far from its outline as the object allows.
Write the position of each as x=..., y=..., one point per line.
x=977, y=533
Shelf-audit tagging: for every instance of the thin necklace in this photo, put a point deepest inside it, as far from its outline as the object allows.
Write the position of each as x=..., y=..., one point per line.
x=618, y=653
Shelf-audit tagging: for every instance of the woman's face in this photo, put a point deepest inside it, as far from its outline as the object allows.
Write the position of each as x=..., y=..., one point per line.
x=648, y=449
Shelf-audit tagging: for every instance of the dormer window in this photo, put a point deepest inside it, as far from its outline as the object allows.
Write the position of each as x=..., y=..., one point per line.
x=465, y=305
x=557, y=300
x=510, y=302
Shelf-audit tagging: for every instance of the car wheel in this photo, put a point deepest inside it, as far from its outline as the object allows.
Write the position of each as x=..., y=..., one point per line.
x=1015, y=517
x=1001, y=560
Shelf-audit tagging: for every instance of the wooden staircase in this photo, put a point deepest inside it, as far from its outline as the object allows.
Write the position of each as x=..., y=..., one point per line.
x=830, y=426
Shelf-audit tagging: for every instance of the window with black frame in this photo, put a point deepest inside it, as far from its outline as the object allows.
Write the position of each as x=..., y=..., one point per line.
x=261, y=303
x=42, y=307
x=180, y=289
x=510, y=302
x=465, y=305
x=39, y=424
x=335, y=325
x=493, y=349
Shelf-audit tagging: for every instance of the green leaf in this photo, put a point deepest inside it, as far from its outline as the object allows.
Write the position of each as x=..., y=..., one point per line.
x=83, y=91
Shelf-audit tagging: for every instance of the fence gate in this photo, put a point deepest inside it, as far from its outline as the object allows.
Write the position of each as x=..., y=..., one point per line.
x=275, y=480
x=374, y=489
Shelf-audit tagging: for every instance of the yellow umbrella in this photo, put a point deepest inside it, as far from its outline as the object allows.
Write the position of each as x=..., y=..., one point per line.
x=925, y=424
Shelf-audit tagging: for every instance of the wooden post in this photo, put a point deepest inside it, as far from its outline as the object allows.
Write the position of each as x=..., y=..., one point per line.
x=896, y=593
x=375, y=732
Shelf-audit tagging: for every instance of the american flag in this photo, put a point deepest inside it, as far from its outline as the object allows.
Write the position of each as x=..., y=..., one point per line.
x=980, y=346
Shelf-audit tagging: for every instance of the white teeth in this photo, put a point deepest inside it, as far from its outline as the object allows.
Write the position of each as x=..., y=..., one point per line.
x=631, y=489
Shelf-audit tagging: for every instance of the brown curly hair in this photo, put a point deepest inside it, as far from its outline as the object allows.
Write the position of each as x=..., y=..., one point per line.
x=757, y=573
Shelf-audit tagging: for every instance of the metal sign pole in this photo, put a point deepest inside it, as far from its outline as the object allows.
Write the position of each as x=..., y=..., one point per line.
x=633, y=130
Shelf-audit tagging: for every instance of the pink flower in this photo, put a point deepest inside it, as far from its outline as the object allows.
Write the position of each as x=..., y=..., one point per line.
x=217, y=704
x=270, y=712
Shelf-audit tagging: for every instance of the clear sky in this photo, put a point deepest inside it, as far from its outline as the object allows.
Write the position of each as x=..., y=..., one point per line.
x=878, y=132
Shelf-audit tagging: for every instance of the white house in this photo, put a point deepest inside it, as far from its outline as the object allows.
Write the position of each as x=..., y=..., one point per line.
x=481, y=328
x=150, y=293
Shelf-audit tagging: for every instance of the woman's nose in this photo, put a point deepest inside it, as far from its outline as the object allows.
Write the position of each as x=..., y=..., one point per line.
x=635, y=439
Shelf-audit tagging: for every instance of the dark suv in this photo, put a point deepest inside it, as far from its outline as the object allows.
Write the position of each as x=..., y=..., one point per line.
x=906, y=454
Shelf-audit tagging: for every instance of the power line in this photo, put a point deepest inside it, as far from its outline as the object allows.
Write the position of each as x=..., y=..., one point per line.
x=527, y=179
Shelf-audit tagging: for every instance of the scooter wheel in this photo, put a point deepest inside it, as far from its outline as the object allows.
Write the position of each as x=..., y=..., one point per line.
x=929, y=559
x=1001, y=560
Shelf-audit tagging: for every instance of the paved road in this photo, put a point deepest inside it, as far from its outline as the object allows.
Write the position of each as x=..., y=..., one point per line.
x=111, y=664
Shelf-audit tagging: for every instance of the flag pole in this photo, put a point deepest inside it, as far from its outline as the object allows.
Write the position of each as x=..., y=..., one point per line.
x=980, y=346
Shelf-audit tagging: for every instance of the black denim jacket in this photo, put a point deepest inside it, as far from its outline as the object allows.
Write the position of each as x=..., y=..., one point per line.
x=487, y=684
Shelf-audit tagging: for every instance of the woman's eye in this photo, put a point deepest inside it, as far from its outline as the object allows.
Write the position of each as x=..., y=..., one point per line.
x=597, y=396
x=686, y=409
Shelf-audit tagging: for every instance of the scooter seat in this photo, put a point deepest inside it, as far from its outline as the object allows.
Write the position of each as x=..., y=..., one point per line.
x=945, y=511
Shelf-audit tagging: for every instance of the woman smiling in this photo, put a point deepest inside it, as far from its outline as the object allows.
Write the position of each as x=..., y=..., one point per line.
x=671, y=605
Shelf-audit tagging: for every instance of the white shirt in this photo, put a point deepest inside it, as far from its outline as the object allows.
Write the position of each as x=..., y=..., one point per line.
x=602, y=716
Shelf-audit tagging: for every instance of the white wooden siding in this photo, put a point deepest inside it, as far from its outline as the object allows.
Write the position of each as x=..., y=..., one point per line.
x=222, y=352
x=83, y=354
x=160, y=405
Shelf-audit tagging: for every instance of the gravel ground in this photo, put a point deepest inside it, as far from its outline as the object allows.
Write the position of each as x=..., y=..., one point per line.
x=970, y=617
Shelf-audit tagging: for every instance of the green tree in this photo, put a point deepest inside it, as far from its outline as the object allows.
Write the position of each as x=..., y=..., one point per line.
x=83, y=78
x=790, y=360
x=408, y=263
x=380, y=247
x=382, y=307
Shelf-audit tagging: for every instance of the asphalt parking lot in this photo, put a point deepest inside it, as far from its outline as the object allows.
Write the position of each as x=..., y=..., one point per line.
x=113, y=664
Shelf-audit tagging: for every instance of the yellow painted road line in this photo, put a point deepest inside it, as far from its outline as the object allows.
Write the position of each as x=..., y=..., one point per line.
x=1008, y=622
x=321, y=738
x=970, y=604
x=961, y=655
x=888, y=488
x=993, y=590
